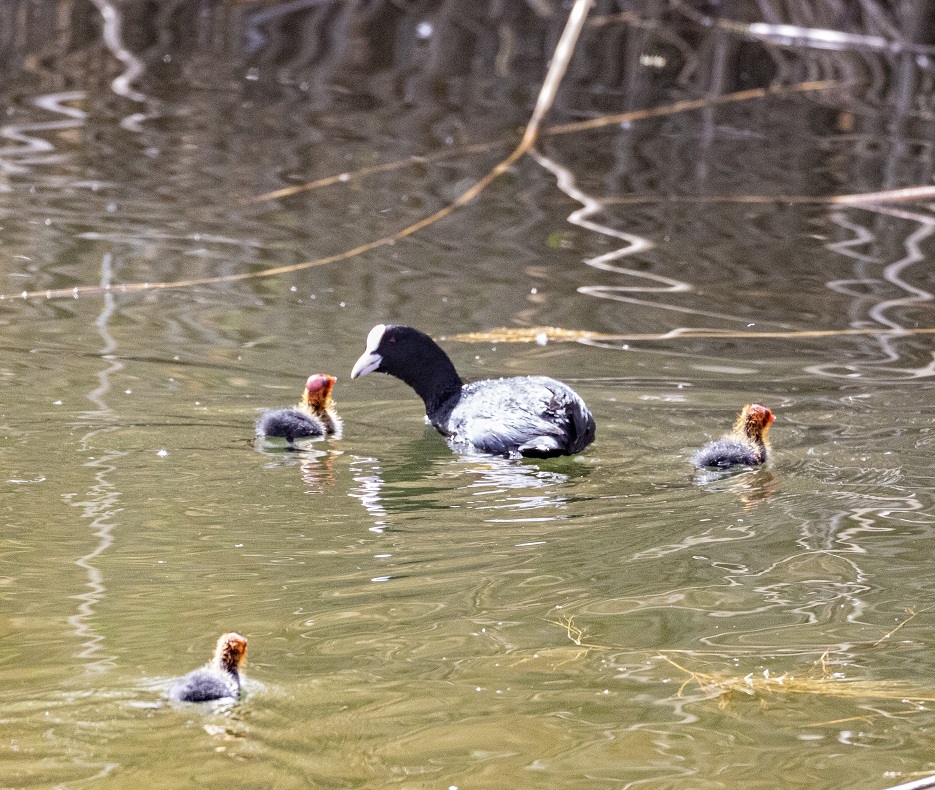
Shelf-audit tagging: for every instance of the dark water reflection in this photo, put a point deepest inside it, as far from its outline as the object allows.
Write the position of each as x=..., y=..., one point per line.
x=414, y=615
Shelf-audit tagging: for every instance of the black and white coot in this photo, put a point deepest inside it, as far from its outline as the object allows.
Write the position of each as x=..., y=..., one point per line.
x=220, y=678
x=746, y=445
x=314, y=416
x=533, y=416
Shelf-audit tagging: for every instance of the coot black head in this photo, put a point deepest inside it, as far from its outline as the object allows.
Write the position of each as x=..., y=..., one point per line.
x=520, y=416
x=413, y=357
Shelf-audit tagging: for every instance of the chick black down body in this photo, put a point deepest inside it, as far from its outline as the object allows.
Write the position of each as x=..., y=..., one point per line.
x=289, y=424
x=728, y=452
x=204, y=685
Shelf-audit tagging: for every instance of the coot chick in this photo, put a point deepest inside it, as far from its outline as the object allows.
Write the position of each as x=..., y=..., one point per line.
x=533, y=416
x=745, y=445
x=314, y=416
x=219, y=678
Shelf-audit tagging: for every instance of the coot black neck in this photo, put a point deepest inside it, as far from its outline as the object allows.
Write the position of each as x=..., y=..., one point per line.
x=433, y=377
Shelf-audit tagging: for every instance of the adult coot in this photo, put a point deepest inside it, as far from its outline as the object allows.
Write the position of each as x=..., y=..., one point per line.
x=745, y=445
x=533, y=416
x=314, y=416
x=219, y=678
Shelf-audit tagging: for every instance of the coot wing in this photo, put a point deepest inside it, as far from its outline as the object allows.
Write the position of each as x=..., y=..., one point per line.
x=534, y=416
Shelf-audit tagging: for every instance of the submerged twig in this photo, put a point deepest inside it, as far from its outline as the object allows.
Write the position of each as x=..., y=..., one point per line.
x=576, y=634
x=631, y=116
x=724, y=684
x=557, y=68
x=917, y=784
x=826, y=686
x=902, y=195
x=545, y=334
x=691, y=104
x=912, y=614
x=386, y=167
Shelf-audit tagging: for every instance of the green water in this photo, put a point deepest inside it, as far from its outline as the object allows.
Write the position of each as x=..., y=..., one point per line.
x=419, y=619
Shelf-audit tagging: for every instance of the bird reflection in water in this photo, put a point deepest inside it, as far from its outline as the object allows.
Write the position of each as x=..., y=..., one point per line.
x=508, y=474
x=424, y=475
x=751, y=486
x=518, y=492
x=317, y=469
x=366, y=473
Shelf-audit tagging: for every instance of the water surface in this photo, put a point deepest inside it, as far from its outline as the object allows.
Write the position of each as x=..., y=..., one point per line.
x=418, y=618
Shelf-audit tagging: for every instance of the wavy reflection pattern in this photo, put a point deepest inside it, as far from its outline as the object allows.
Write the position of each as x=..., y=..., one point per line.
x=889, y=364
x=134, y=67
x=635, y=245
x=35, y=150
x=368, y=490
x=102, y=502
